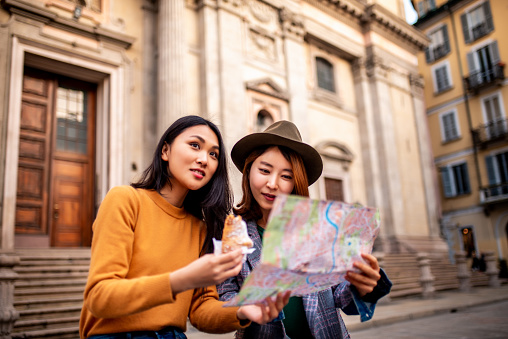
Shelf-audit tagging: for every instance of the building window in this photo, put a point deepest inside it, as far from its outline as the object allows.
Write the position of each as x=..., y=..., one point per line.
x=495, y=121
x=482, y=64
x=497, y=171
x=477, y=22
x=449, y=126
x=426, y=6
x=455, y=180
x=439, y=44
x=264, y=119
x=325, y=77
x=334, y=189
x=442, y=77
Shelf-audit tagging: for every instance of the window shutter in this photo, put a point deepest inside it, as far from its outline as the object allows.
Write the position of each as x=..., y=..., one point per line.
x=465, y=28
x=494, y=53
x=467, y=186
x=489, y=23
x=449, y=190
x=470, y=63
x=491, y=170
x=449, y=127
x=432, y=4
x=428, y=57
x=446, y=40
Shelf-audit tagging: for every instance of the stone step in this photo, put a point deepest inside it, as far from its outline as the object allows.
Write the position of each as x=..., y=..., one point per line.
x=48, y=312
x=43, y=324
x=56, y=289
x=57, y=333
x=33, y=303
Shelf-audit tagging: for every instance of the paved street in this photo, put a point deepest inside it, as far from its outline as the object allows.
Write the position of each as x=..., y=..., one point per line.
x=479, y=313
x=485, y=322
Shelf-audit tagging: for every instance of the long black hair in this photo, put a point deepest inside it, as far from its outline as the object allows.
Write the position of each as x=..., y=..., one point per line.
x=212, y=202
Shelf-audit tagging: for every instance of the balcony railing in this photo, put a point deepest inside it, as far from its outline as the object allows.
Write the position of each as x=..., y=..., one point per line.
x=494, y=193
x=480, y=30
x=491, y=132
x=478, y=80
x=439, y=51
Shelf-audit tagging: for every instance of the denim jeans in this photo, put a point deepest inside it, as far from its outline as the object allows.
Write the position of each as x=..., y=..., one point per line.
x=165, y=333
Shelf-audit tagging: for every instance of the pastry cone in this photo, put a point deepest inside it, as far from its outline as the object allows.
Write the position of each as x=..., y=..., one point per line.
x=235, y=234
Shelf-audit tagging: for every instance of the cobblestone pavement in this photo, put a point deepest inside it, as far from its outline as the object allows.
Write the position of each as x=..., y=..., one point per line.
x=485, y=322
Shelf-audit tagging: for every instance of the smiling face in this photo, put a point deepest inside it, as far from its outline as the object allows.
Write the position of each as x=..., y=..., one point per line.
x=193, y=158
x=271, y=174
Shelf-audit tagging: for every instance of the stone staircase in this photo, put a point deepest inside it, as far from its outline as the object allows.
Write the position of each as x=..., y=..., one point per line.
x=404, y=272
x=49, y=292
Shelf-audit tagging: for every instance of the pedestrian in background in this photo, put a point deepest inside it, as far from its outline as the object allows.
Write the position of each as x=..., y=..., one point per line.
x=277, y=161
x=149, y=269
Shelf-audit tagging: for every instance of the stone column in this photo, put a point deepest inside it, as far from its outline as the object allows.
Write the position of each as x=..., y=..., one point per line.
x=463, y=273
x=171, y=63
x=426, y=277
x=380, y=160
x=8, y=315
x=426, y=157
x=293, y=32
x=492, y=270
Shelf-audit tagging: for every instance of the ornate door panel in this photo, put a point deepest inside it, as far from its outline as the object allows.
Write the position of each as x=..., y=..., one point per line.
x=34, y=148
x=56, y=161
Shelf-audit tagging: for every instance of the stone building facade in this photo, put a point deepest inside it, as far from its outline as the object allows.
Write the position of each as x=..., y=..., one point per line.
x=89, y=86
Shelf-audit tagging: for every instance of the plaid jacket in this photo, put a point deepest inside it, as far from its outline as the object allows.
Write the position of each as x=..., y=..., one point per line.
x=321, y=308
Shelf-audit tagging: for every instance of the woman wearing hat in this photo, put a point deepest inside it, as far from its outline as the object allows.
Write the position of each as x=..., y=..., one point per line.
x=273, y=162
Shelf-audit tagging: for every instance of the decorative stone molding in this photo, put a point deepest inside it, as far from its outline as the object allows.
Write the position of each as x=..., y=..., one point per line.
x=426, y=277
x=8, y=314
x=292, y=24
x=463, y=273
x=376, y=67
x=267, y=86
x=261, y=45
x=261, y=11
x=336, y=151
x=416, y=82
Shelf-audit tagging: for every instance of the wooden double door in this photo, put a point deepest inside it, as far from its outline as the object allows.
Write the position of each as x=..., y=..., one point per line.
x=55, y=189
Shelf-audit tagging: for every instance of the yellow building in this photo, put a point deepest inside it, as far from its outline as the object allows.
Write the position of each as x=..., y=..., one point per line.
x=466, y=96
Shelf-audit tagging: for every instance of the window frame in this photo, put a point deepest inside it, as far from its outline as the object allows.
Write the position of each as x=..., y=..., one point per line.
x=449, y=181
x=465, y=19
x=434, y=70
x=430, y=55
x=458, y=134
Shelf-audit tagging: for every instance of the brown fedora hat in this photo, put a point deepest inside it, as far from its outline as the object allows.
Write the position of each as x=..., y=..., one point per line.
x=282, y=133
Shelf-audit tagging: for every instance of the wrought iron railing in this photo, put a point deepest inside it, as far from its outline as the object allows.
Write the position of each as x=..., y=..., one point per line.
x=494, y=193
x=493, y=131
x=480, y=30
x=439, y=51
x=479, y=79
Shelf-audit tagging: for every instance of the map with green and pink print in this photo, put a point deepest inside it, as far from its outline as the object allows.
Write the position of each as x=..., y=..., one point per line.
x=308, y=246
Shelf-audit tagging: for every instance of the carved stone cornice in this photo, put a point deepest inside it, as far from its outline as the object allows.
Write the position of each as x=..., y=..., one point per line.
x=292, y=24
x=365, y=14
x=417, y=84
x=50, y=18
x=376, y=14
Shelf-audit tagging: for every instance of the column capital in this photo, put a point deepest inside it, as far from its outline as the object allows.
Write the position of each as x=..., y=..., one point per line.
x=292, y=24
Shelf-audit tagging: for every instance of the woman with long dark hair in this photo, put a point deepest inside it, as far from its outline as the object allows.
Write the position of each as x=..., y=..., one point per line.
x=151, y=268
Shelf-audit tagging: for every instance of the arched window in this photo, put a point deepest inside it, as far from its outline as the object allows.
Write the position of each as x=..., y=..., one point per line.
x=264, y=119
x=325, y=76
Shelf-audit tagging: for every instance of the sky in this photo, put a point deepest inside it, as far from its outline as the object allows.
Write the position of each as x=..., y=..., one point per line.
x=411, y=15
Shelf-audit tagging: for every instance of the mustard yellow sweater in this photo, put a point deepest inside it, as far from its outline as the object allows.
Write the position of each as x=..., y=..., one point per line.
x=138, y=239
